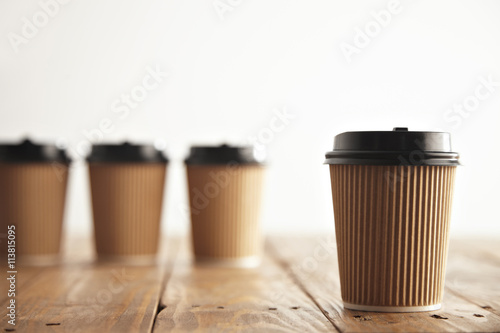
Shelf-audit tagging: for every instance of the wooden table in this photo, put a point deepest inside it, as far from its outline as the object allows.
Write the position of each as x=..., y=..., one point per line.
x=295, y=290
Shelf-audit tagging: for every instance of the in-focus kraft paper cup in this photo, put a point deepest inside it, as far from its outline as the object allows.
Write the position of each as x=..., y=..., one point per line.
x=225, y=194
x=127, y=183
x=392, y=194
x=33, y=181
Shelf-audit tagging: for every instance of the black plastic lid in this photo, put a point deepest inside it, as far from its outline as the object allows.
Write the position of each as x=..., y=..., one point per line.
x=29, y=152
x=399, y=147
x=223, y=154
x=125, y=152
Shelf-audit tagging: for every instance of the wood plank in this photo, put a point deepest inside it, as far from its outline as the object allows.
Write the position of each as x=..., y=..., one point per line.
x=74, y=250
x=80, y=296
x=207, y=299
x=473, y=272
x=23, y=278
x=313, y=263
x=296, y=289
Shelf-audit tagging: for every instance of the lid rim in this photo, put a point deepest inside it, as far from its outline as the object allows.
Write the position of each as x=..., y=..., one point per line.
x=392, y=158
x=33, y=161
x=400, y=139
x=28, y=152
x=223, y=163
x=222, y=155
x=125, y=153
x=397, y=147
x=390, y=162
x=128, y=161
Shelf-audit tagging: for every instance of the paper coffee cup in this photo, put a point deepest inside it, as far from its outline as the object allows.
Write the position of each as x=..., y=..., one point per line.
x=33, y=181
x=127, y=183
x=225, y=192
x=392, y=194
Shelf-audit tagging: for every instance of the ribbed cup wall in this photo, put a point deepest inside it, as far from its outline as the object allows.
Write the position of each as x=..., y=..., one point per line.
x=391, y=226
x=32, y=197
x=225, y=205
x=127, y=200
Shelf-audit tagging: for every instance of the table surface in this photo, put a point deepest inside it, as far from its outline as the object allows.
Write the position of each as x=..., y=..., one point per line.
x=295, y=290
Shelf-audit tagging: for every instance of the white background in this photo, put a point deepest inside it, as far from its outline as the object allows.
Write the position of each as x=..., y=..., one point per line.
x=226, y=76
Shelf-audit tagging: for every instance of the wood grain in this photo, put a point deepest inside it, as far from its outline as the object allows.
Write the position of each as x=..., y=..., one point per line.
x=474, y=272
x=84, y=297
x=316, y=270
x=295, y=290
x=264, y=299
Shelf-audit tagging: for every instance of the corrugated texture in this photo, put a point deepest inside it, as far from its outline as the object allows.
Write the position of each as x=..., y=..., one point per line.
x=392, y=226
x=225, y=207
x=127, y=200
x=32, y=197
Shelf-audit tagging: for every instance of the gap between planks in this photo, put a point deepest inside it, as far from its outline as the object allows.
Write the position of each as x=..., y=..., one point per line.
x=322, y=284
x=299, y=283
x=200, y=298
x=65, y=297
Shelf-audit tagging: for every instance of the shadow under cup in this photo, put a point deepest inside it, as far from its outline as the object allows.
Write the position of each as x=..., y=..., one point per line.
x=392, y=194
x=127, y=184
x=33, y=182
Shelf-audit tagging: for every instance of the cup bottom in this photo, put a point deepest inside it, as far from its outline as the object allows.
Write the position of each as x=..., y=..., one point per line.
x=375, y=308
x=243, y=262
x=131, y=260
x=39, y=260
